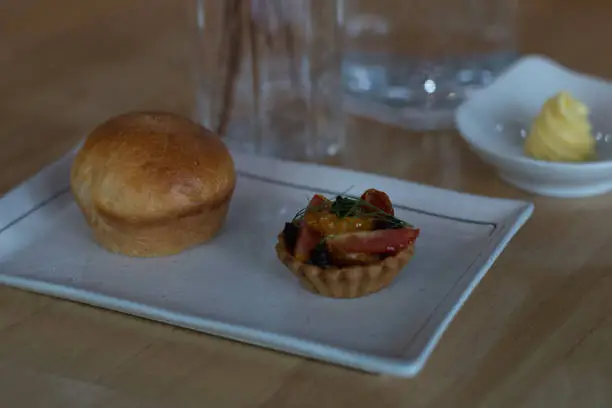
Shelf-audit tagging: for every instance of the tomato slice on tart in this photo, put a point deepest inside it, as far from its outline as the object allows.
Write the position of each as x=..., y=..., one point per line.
x=379, y=200
x=308, y=239
x=388, y=241
x=318, y=203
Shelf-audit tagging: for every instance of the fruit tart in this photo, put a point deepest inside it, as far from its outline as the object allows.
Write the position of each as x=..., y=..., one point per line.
x=347, y=247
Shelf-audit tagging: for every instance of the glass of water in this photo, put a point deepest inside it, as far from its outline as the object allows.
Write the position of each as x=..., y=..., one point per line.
x=412, y=62
x=269, y=75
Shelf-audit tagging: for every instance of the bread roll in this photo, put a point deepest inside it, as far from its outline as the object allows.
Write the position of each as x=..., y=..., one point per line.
x=152, y=184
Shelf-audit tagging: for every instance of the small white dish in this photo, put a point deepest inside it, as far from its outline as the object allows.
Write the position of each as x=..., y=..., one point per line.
x=235, y=287
x=495, y=121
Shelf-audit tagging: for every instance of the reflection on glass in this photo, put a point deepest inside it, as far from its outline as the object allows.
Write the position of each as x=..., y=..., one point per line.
x=269, y=75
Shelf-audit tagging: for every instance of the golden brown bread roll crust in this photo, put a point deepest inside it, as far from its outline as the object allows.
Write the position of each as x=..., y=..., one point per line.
x=153, y=183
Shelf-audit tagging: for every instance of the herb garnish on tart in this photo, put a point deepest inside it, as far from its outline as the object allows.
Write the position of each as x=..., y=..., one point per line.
x=343, y=235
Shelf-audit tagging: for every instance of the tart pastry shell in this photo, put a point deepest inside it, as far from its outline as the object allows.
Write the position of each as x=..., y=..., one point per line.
x=345, y=282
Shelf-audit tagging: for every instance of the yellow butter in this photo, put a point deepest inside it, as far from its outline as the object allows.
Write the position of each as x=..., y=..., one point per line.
x=561, y=132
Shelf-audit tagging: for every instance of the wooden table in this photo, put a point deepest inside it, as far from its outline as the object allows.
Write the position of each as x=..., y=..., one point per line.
x=537, y=332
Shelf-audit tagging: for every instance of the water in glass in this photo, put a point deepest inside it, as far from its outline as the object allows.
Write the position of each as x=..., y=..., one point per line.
x=412, y=62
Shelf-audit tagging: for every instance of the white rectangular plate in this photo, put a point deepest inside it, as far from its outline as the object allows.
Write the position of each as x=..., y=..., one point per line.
x=236, y=288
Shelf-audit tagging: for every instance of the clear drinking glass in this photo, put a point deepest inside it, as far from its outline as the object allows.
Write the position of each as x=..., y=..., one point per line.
x=412, y=62
x=269, y=75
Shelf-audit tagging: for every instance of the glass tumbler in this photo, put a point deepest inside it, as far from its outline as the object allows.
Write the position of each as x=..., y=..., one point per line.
x=269, y=75
x=412, y=62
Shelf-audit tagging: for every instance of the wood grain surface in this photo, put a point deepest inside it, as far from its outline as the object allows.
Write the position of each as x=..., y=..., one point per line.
x=537, y=332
